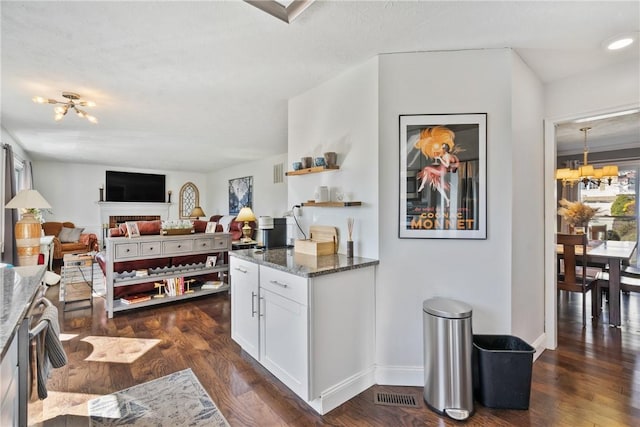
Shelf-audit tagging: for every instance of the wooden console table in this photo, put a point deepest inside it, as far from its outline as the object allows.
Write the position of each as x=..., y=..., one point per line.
x=146, y=247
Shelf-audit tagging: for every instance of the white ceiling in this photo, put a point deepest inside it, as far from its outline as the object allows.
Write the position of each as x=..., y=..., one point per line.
x=204, y=85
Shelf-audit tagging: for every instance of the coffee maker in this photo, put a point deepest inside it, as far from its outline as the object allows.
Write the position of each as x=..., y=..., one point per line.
x=272, y=232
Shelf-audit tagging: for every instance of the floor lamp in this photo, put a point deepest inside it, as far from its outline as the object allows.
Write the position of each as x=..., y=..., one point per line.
x=28, y=229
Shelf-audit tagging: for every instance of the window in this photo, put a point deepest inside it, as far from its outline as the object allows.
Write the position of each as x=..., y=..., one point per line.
x=189, y=199
x=617, y=204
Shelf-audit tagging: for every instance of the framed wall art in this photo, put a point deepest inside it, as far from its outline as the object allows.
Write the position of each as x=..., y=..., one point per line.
x=240, y=194
x=443, y=176
x=132, y=229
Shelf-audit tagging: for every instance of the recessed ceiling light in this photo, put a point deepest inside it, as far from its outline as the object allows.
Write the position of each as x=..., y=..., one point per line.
x=620, y=41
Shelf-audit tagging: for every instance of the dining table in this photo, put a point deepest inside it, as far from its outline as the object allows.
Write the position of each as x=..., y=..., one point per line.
x=612, y=253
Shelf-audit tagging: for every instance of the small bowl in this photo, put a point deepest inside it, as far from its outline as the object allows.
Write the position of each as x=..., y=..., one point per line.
x=319, y=161
x=297, y=166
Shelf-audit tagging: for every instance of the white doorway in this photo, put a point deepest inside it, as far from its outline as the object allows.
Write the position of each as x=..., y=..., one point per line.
x=550, y=214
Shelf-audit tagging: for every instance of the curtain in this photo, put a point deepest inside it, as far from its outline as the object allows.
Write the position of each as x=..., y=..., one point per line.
x=10, y=254
x=26, y=178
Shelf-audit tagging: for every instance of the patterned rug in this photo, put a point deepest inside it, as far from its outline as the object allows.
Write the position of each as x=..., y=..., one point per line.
x=174, y=400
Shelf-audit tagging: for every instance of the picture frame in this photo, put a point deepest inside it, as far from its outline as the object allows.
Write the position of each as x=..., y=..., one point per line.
x=211, y=261
x=443, y=176
x=211, y=227
x=132, y=229
x=240, y=194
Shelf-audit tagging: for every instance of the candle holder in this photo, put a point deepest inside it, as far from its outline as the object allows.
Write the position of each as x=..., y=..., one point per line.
x=169, y=198
x=101, y=194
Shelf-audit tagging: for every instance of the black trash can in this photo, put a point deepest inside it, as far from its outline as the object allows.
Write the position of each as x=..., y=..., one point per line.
x=502, y=371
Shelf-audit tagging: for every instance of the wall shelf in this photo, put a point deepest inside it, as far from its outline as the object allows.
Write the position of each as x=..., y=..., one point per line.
x=311, y=203
x=315, y=169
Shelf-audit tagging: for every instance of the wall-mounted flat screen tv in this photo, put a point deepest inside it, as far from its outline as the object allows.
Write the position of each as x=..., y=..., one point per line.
x=134, y=187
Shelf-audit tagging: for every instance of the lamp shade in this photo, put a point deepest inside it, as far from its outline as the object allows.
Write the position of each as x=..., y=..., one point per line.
x=246, y=214
x=610, y=171
x=586, y=171
x=197, y=212
x=28, y=199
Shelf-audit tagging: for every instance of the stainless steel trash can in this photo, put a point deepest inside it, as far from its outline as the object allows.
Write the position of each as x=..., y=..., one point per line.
x=448, y=349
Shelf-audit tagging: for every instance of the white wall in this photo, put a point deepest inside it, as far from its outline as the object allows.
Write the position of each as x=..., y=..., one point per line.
x=527, y=189
x=269, y=199
x=605, y=89
x=72, y=189
x=475, y=271
x=340, y=115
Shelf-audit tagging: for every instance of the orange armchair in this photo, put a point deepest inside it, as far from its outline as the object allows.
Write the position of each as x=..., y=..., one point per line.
x=70, y=242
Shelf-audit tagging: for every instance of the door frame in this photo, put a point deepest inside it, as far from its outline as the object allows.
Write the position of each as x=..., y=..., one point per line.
x=550, y=220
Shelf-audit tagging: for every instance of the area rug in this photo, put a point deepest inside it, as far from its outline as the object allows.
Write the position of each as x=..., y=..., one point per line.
x=174, y=400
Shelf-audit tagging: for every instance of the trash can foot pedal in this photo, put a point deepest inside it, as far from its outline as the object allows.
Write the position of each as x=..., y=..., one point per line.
x=457, y=414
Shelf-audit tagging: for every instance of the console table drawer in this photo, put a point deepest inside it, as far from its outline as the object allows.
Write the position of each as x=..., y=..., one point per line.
x=221, y=242
x=177, y=247
x=126, y=250
x=148, y=248
x=203, y=244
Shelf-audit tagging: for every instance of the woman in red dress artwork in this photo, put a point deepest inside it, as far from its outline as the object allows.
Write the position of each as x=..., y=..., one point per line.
x=437, y=143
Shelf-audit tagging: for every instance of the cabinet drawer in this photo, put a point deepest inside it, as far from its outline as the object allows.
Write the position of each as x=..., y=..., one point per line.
x=284, y=284
x=203, y=244
x=149, y=248
x=243, y=269
x=177, y=247
x=126, y=250
x=221, y=243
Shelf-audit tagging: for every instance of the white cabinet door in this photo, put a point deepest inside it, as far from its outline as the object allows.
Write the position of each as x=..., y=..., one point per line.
x=284, y=341
x=245, y=328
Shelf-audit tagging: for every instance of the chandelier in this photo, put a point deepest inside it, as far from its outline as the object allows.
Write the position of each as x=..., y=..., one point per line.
x=586, y=173
x=73, y=103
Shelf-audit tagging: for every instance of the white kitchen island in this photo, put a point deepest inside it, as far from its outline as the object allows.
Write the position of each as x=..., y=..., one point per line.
x=309, y=320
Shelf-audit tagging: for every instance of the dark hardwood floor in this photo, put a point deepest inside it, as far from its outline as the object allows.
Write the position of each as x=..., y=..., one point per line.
x=592, y=379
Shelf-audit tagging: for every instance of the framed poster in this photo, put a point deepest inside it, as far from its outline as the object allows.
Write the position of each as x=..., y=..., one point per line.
x=240, y=194
x=443, y=176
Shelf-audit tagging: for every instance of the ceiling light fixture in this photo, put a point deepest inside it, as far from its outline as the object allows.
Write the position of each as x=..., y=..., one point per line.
x=587, y=173
x=74, y=102
x=284, y=10
x=620, y=41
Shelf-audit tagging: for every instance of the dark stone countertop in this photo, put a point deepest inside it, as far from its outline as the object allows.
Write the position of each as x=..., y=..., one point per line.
x=285, y=259
x=18, y=287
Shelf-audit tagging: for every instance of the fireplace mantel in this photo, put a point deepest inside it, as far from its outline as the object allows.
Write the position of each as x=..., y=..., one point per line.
x=108, y=209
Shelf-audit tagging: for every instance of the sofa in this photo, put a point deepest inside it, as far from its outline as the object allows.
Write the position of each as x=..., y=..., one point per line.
x=68, y=239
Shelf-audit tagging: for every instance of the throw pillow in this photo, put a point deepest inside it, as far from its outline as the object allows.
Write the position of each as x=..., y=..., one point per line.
x=70, y=235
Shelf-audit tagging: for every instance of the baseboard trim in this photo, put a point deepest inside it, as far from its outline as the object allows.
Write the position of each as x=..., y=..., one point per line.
x=540, y=345
x=343, y=391
x=400, y=375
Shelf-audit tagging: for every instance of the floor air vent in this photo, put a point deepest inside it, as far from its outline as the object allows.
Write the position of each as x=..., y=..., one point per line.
x=395, y=399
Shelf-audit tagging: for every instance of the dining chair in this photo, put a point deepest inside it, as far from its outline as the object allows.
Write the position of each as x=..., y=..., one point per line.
x=595, y=230
x=629, y=282
x=574, y=277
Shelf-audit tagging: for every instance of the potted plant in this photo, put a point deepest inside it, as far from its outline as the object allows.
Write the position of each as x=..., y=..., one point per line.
x=576, y=214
